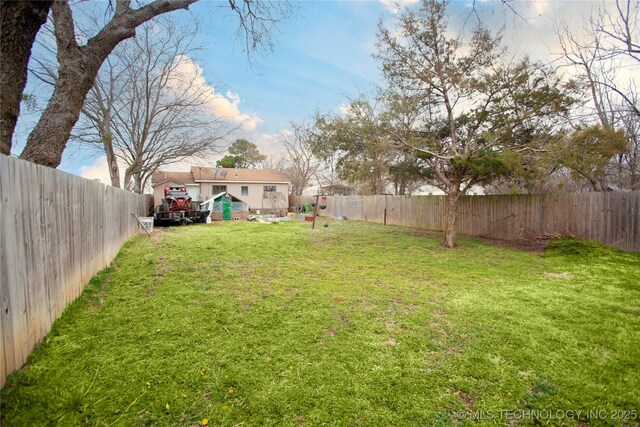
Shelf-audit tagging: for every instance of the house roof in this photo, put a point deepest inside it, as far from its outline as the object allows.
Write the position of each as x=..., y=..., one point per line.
x=199, y=174
x=160, y=177
x=236, y=175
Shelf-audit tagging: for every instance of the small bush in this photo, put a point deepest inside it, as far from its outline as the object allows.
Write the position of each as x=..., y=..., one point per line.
x=571, y=246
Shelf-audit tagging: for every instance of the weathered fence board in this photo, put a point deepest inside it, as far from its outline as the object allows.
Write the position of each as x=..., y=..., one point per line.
x=612, y=218
x=56, y=231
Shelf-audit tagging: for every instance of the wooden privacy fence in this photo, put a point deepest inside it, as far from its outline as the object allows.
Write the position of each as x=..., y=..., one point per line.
x=56, y=231
x=612, y=218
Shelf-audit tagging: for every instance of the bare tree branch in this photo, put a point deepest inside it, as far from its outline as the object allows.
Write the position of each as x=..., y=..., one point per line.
x=148, y=107
x=79, y=65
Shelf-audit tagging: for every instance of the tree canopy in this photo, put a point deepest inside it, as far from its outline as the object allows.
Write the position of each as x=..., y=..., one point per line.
x=242, y=154
x=478, y=117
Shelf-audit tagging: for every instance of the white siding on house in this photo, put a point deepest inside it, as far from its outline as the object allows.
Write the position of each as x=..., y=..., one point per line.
x=255, y=197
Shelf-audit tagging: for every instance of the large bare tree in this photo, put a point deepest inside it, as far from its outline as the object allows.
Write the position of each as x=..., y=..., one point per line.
x=79, y=63
x=300, y=165
x=150, y=106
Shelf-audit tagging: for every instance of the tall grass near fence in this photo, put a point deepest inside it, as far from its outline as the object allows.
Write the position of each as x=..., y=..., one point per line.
x=612, y=218
x=56, y=231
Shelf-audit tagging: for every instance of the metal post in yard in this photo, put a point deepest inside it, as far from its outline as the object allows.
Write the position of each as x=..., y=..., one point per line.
x=385, y=209
x=315, y=212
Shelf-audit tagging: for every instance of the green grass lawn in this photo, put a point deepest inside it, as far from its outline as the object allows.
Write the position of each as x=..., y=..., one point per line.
x=355, y=324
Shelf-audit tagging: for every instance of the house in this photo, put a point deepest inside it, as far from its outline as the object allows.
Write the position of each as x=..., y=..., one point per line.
x=265, y=189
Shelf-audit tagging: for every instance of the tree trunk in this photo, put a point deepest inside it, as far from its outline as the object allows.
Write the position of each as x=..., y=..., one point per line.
x=133, y=176
x=112, y=161
x=49, y=138
x=128, y=174
x=138, y=183
x=602, y=182
x=20, y=21
x=104, y=128
x=596, y=185
x=451, y=216
x=403, y=186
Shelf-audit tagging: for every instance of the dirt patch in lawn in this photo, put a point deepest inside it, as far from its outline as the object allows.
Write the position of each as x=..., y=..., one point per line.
x=536, y=246
x=156, y=235
x=527, y=245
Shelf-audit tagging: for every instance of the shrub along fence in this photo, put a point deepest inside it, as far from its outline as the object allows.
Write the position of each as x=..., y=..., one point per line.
x=56, y=231
x=612, y=218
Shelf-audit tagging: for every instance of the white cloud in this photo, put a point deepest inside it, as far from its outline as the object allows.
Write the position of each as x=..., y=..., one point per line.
x=395, y=6
x=185, y=164
x=98, y=171
x=224, y=106
x=530, y=8
x=539, y=7
x=271, y=143
x=344, y=109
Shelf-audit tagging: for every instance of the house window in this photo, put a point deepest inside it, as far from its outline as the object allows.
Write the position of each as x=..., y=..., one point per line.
x=217, y=189
x=244, y=190
x=269, y=188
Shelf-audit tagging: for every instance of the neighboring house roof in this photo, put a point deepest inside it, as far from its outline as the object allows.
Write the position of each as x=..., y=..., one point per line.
x=199, y=174
x=238, y=175
x=160, y=177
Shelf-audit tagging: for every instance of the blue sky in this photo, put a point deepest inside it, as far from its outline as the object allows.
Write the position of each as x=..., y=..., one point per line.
x=322, y=56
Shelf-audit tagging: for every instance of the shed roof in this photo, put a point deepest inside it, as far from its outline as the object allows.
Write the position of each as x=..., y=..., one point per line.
x=217, y=196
